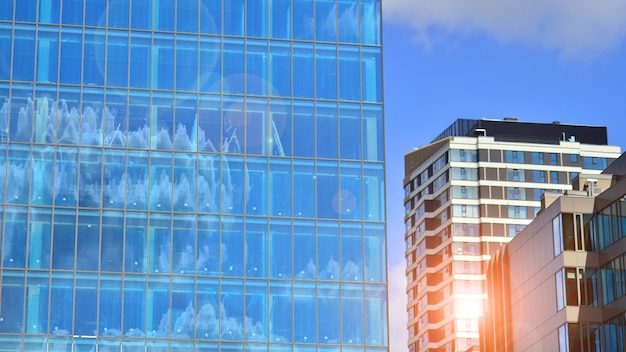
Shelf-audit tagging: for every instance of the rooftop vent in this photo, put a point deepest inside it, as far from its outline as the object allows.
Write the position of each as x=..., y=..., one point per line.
x=508, y=118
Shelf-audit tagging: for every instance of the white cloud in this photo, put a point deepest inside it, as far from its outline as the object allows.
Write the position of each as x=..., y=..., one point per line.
x=574, y=28
x=398, y=334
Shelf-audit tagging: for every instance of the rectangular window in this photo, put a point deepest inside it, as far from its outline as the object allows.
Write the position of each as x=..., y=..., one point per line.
x=537, y=158
x=515, y=193
x=554, y=177
x=573, y=158
x=557, y=235
x=463, y=155
x=513, y=156
x=560, y=290
x=517, y=212
x=594, y=163
x=514, y=230
x=539, y=176
x=568, y=226
x=574, y=287
x=563, y=340
x=515, y=175
x=571, y=287
x=554, y=159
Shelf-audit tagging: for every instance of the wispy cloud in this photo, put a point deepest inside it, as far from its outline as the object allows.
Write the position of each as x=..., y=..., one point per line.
x=577, y=29
x=398, y=334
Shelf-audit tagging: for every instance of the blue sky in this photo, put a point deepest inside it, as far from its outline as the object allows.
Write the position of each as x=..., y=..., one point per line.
x=535, y=60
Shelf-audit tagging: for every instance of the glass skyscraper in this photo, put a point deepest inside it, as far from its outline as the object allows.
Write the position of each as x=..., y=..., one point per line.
x=192, y=175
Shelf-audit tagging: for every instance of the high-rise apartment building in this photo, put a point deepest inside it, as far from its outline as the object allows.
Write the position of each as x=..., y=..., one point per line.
x=192, y=175
x=471, y=190
x=559, y=285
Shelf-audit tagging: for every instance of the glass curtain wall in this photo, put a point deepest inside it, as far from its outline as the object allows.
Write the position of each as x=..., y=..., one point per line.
x=191, y=175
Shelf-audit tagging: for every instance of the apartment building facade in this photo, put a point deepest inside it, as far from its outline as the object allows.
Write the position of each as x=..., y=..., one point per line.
x=560, y=284
x=473, y=189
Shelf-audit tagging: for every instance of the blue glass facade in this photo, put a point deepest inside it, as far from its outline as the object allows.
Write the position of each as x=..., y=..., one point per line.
x=192, y=175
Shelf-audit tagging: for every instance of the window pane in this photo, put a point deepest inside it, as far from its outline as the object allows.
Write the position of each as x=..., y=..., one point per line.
x=233, y=17
x=280, y=69
x=304, y=308
x=88, y=242
x=375, y=256
x=280, y=18
x=303, y=70
x=304, y=186
x=210, y=64
x=163, y=62
x=327, y=130
x=233, y=66
x=6, y=10
x=256, y=18
x=165, y=15
x=118, y=13
x=327, y=190
x=280, y=192
x=24, y=53
x=117, y=59
x=186, y=63
x=94, y=44
x=235, y=187
x=256, y=250
x=350, y=131
x=256, y=67
x=257, y=182
x=349, y=73
x=112, y=243
x=372, y=132
x=61, y=298
x=303, y=17
x=37, y=302
x=135, y=258
x=210, y=16
x=47, y=54
x=95, y=13
x=348, y=12
x=328, y=319
x=140, y=60
x=280, y=127
x=304, y=123
x=26, y=10
x=73, y=11
x=110, y=312
x=141, y=14
x=14, y=235
x=326, y=71
x=63, y=240
x=232, y=246
x=326, y=20
x=187, y=16
x=371, y=74
x=370, y=22
x=281, y=245
x=352, y=313
x=557, y=235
